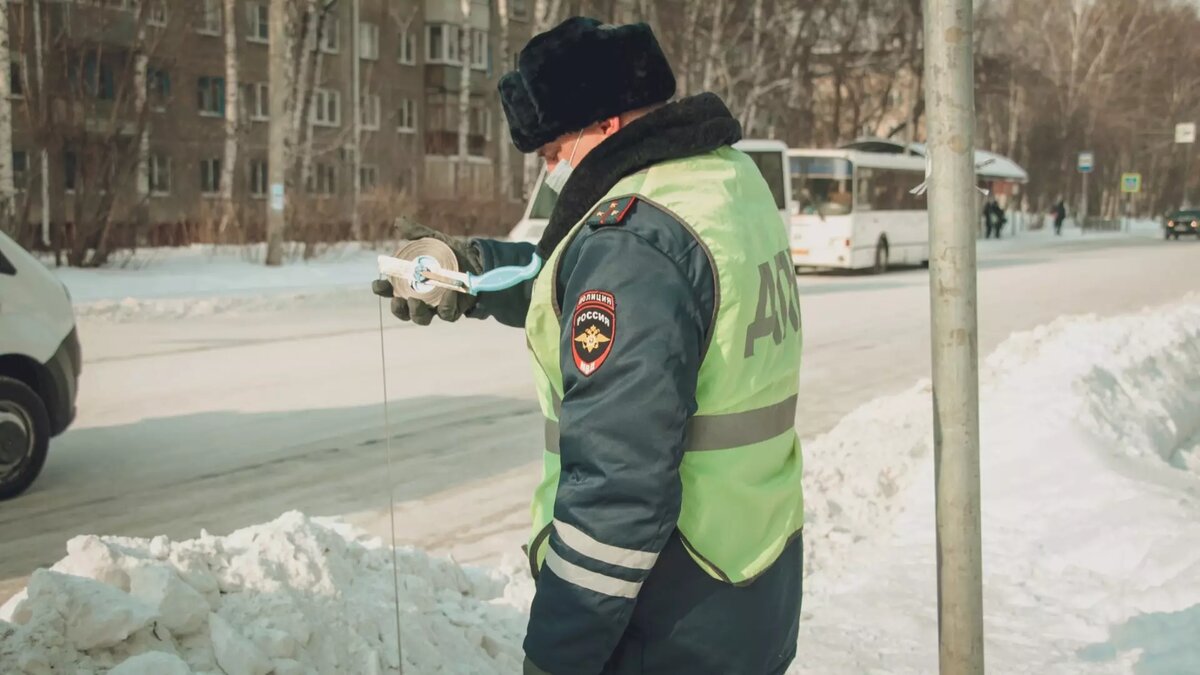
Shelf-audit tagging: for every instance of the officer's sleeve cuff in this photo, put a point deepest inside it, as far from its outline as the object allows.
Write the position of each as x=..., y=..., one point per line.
x=532, y=669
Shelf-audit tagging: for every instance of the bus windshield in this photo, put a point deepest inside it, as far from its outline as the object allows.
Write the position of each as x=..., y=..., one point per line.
x=543, y=204
x=822, y=185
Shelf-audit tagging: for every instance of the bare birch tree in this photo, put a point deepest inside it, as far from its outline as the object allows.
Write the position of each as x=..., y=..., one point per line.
x=8, y=191
x=232, y=103
x=465, y=48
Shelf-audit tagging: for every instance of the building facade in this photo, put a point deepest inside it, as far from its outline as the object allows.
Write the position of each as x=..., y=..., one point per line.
x=128, y=106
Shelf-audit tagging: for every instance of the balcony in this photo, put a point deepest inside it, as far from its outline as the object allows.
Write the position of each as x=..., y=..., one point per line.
x=106, y=25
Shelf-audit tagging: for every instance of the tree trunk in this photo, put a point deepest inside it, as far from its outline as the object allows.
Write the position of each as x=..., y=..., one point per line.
x=356, y=88
x=312, y=30
x=40, y=73
x=232, y=96
x=309, y=128
x=8, y=191
x=715, y=46
x=464, y=99
x=502, y=136
x=282, y=137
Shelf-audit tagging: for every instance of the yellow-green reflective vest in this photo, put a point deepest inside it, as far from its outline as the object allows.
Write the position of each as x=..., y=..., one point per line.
x=742, y=497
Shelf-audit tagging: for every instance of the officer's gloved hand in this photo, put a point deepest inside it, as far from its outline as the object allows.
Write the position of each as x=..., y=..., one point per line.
x=453, y=304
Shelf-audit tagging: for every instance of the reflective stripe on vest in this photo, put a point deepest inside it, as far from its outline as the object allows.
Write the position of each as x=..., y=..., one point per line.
x=716, y=432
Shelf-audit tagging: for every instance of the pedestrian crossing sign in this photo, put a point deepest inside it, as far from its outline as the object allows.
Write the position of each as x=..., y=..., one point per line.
x=1131, y=183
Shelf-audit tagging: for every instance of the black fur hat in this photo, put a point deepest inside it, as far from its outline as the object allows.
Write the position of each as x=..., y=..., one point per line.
x=579, y=73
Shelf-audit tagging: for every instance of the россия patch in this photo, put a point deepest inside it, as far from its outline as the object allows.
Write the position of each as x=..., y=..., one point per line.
x=593, y=329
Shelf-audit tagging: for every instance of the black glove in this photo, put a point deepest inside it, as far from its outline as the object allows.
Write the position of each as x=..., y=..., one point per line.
x=454, y=304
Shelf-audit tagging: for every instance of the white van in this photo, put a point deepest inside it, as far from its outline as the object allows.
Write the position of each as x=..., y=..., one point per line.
x=770, y=156
x=40, y=362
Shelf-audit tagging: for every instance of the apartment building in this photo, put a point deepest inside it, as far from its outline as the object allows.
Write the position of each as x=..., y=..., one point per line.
x=396, y=65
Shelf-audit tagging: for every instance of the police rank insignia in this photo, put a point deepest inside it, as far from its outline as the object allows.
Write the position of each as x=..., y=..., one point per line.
x=612, y=211
x=593, y=329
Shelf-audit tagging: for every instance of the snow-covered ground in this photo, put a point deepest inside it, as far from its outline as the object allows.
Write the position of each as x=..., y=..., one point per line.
x=203, y=280
x=1091, y=514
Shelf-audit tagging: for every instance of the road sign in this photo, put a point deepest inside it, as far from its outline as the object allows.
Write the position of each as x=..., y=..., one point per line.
x=1086, y=161
x=1131, y=183
x=1185, y=133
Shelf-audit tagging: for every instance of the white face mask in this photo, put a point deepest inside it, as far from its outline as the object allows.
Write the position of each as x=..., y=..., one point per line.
x=556, y=179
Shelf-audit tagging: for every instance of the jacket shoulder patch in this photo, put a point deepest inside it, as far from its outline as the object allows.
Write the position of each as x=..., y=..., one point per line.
x=611, y=212
x=593, y=330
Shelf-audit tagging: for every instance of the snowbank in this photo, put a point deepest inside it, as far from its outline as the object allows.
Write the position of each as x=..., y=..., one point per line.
x=293, y=596
x=200, y=280
x=1091, y=480
x=1091, y=510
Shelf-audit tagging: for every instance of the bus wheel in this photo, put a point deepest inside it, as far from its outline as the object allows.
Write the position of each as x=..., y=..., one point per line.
x=881, y=257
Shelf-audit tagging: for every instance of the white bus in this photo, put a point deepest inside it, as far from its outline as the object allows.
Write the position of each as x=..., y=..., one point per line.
x=855, y=209
x=770, y=156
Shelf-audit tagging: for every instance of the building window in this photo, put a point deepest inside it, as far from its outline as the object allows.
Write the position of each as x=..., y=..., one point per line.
x=323, y=180
x=441, y=44
x=369, y=109
x=330, y=40
x=158, y=14
x=70, y=170
x=210, y=18
x=20, y=168
x=16, y=81
x=368, y=178
x=160, y=175
x=158, y=89
x=408, y=48
x=368, y=41
x=479, y=49
x=259, y=18
x=210, y=176
x=481, y=122
x=256, y=101
x=406, y=116
x=258, y=178
x=210, y=96
x=327, y=107
x=406, y=180
x=97, y=81
x=518, y=9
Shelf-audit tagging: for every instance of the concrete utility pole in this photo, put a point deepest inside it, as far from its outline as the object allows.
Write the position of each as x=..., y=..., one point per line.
x=280, y=86
x=951, y=118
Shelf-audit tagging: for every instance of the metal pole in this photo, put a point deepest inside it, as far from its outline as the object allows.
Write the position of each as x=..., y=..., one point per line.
x=950, y=101
x=278, y=150
x=1187, y=178
x=1083, y=209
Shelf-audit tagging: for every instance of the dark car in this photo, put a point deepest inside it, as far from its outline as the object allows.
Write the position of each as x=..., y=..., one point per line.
x=1183, y=222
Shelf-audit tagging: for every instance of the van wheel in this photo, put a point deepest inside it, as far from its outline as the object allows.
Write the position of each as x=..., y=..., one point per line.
x=24, y=436
x=882, y=257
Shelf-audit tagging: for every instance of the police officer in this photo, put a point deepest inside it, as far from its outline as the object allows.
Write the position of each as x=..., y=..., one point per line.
x=665, y=334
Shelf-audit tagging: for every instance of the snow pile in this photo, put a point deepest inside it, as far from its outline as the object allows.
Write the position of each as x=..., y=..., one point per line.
x=1091, y=510
x=293, y=596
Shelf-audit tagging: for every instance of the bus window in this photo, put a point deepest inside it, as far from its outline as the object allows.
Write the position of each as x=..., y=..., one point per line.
x=770, y=165
x=888, y=190
x=823, y=185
